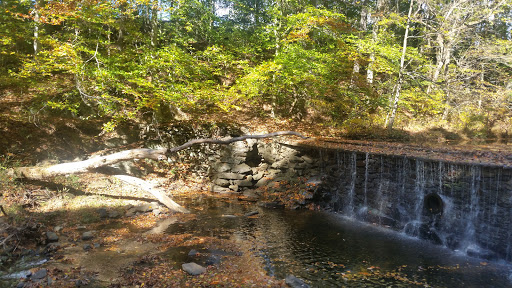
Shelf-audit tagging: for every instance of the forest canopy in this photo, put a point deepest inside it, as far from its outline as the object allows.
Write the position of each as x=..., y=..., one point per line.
x=383, y=63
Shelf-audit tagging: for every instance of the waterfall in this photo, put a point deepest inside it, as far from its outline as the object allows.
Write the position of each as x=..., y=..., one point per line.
x=473, y=205
x=463, y=207
x=413, y=226
x=366, y=162
x=352, y=187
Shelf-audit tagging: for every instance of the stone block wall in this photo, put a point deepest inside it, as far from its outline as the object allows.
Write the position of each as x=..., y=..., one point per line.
x=254, y=164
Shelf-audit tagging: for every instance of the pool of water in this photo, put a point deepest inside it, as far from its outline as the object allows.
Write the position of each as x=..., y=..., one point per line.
x=327, y=250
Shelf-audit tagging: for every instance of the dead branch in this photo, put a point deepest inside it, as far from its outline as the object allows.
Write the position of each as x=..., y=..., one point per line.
x=155, y=192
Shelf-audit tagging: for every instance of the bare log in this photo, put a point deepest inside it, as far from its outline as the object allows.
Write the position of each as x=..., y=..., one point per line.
x=43, y=173
x=173, y=206
x=40, y=173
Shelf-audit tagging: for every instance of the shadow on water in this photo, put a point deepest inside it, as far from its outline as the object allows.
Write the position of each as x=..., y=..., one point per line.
x=327, y=250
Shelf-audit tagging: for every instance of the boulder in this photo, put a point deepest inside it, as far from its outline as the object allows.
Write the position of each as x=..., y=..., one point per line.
x=295, y=282
x=39, y=274
x=258, y=176
x=218, y=189
x=242, y=168
x=222, y=167
x=51, y=237
x=143, y=208
x=102, y=212
x=263, y=182
x=244, y=183
x=307, y=159
x=87, y=236
x=281, y=164
x=230, y=176
x=193, y=268
x=113, y=214
x=221, y=182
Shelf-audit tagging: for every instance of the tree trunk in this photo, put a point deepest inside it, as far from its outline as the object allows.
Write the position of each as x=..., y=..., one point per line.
x=36, y=29
x=154, y=24
x=398, y=88
x=44, y=173
x=363, y=21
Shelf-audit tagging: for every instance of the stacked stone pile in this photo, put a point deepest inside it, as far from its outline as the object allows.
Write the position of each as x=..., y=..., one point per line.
x=255, y=164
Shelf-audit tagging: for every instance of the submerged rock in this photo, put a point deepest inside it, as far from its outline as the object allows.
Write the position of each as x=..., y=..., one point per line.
x=272, y=205
x=295, y=282
x=193, y=268
x=252, y=213
x=39, y=274
x=213, y=260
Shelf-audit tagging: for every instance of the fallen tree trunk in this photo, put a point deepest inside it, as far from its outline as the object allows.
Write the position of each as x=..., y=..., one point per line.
x=164, y=199
x=44, y=173
x=41, y=173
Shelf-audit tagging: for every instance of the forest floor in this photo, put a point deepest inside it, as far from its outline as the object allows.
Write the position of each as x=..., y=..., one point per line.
x=74, y=205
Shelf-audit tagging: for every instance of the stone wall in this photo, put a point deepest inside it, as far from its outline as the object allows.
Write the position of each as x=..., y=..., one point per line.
x=253, y=165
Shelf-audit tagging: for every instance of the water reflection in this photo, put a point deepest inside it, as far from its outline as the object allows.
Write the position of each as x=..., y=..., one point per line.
x=327, y=250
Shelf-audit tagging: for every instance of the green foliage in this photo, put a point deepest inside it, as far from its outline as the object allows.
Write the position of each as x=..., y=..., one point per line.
x=128, y=60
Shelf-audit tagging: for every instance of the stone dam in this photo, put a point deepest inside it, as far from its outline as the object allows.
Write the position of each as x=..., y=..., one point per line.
x=464, y=206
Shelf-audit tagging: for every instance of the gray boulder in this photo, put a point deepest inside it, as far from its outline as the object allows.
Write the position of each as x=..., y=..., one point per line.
x=295, y=282
x=230, y=176
x=87, y=236
x=193, y=268
x=51, y=237
x=39, y=274
x=242, y=169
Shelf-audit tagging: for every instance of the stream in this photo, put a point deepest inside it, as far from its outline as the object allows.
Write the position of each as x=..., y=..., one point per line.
x=328, y=250
x=323, y=249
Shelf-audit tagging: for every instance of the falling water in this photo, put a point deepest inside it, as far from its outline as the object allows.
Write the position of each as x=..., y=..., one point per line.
x=463, y=207
x=366, y=161
x=352, y=188
x=412, y=227
x=472, y=217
